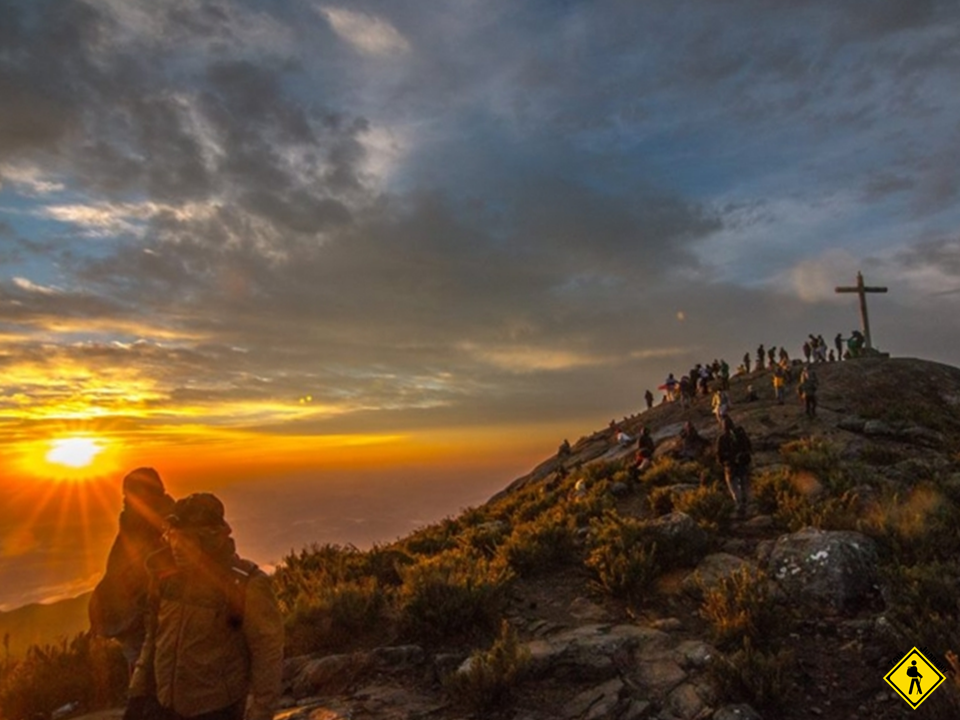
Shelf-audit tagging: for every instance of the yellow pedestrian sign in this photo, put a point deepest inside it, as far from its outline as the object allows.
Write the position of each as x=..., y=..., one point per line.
x=914, y=678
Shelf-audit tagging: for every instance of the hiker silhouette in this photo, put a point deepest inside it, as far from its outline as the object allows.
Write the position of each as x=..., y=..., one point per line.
x=913, y=673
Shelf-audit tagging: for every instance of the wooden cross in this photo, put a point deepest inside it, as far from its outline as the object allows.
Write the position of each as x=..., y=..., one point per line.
x=862, y=291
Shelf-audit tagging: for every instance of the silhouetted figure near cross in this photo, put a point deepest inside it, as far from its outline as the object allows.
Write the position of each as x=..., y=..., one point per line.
x=862, y=291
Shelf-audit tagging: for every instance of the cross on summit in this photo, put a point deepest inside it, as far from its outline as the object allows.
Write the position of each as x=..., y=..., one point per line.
x=862, y=291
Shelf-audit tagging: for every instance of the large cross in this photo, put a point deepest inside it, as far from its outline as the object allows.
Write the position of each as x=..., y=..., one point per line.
x=862, y=291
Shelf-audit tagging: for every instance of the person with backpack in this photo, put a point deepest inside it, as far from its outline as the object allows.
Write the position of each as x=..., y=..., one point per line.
x=214, y=645
x=734, y=453
x=118, y=605
x=807, y=389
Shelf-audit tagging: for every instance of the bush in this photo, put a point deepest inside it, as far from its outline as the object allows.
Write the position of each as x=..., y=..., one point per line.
x=740, y=608
x=86, y=670
x=709, y=506
x=922, y=605
x=542, y=545
x=831, y=513
x=668, y=471
x=490, y=677
x=758, y=678
x=336, y=617
x=452, y=596
x=622, y=558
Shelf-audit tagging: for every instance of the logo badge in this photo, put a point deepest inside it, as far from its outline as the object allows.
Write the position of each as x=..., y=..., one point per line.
x=914, y=678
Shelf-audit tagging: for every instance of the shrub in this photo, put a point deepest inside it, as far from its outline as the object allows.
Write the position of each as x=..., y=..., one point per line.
x=921, y=527
x=336, y=617
x=740, y=608
x=452, y=596
x=922, y=605
x=709, y=506
x=661, y=500
x=668, y=471
x=622, y=558
x=488, y=681
x=768, y=486
x=433, y=539
x=832, y=513
x=86, y=670
x=755, y=677
x=542, y=545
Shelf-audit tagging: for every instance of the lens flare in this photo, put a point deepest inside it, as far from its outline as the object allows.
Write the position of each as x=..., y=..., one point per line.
x=74, y=452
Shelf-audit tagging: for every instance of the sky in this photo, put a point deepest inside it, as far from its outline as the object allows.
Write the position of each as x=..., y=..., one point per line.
x=357, y=266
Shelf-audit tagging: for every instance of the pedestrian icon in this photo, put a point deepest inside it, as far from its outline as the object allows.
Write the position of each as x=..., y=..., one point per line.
x=914, y=678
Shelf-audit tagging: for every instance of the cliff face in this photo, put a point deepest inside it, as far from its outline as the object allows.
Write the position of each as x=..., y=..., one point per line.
x=642, y=597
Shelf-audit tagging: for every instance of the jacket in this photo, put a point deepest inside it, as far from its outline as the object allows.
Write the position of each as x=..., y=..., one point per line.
x=213, y=638
x=734, y=448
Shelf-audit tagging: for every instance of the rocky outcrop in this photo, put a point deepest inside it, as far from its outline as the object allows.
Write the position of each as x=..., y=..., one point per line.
x=838, y=570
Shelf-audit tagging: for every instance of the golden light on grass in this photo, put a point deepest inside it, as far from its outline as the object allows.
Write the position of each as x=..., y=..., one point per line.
x=74, y=452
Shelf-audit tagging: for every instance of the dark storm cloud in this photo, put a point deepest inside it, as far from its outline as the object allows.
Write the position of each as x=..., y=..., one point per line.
x=548, y=206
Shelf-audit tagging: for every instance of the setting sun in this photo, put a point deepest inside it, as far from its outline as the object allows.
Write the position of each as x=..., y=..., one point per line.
x=75, y=452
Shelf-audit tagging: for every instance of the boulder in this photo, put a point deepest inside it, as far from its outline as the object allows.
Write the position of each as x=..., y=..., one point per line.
x=592, y=652
x=596, y=703
x=837, y=569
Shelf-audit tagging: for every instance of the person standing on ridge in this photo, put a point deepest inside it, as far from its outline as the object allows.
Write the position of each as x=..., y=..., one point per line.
x=746, y=361
x=118, y=604
x=648, y=398
x=807, y=389
x=734, y=452
x=778, y=383
x=214, y=645
x=760, y=356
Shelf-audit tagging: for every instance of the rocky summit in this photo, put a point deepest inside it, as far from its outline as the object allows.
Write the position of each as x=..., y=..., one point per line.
x=846, y=560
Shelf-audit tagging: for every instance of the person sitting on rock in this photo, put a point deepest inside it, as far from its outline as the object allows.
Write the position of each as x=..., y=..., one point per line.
x=645, y=449
x=751, y=394
x=623, y=439
x=692, y=442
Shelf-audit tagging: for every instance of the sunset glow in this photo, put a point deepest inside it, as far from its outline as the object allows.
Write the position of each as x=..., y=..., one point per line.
x=74, y=452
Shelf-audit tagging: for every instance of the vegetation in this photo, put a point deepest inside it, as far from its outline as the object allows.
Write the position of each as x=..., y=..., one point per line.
x=490, y=677
x=87, y=671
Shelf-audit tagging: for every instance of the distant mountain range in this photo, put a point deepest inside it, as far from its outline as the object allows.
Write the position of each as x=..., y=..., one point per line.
x=43, y=624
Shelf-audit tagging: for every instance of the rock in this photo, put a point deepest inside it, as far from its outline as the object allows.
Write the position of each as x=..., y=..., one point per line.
x=637, y=710
x=328, y=674
x=658, y=674
x=583, y=609
x=596, y=703
x=399, y=655
x=592, y=652
x=877, y=427
x=736, y=712
x=685, y=702
x=695, y=654
x=667, y=624
x=852, y=423
x=923, y=436
x=836, y=569
x=619, y=489
x=711, y=570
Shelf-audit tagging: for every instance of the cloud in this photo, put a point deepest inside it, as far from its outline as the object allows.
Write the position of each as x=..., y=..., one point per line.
x=369, y=34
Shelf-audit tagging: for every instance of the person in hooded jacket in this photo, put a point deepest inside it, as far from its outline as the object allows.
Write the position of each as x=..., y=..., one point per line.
x=214, y=645
x=118, y=604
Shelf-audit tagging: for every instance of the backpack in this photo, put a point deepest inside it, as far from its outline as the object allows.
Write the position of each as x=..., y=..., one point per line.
x=742, y=446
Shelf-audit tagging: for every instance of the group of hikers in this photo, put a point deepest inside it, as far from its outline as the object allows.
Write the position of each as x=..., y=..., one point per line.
x=200, y=627
x=733, y=447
